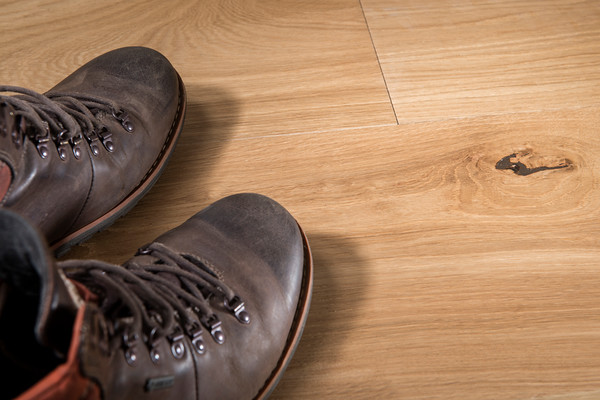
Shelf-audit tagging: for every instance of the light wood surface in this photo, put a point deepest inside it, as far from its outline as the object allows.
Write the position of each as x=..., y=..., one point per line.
x=379, y=125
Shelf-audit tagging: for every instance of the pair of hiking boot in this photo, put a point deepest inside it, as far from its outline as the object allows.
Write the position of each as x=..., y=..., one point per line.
x=212, y=309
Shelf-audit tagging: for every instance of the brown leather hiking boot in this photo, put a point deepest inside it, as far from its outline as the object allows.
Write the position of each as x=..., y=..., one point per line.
x=79, y=156
x=212, y=309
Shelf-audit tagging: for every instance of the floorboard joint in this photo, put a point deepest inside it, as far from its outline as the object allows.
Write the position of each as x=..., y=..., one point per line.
x=378, y=61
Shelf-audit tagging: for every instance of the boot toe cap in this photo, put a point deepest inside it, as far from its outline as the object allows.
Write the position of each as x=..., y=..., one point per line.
x=267, y=229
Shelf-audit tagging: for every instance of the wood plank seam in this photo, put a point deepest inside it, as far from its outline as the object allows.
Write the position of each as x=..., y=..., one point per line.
x=378, y=61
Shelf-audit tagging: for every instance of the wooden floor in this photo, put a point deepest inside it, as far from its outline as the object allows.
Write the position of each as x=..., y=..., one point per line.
x=380, y=124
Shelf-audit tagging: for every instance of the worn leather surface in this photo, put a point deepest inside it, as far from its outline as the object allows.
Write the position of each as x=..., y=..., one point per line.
x=256, y=247
x=62, y=196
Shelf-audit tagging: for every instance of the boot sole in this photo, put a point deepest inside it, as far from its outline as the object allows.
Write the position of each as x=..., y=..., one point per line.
x=84, y=233
x=297, y=325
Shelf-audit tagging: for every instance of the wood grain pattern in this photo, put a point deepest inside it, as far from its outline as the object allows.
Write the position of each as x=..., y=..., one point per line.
x=452, y=59
x=437, y=275
x=289, y=66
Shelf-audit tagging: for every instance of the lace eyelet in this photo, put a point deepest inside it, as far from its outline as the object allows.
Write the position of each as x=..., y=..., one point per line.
x=194, y=331
x=123, y=118
x=154, y=356
x=131, y=357
x=63, y=144
x=177, y=346
x=237, y=307
x=128, y=126
x=92, y=139
x=106, y=139
x=178, y=349
x=109, y=145
x=198, y=345
x=62, y=153
x=216, y=331
x=129, y=344
x=75, y=145
x=41, y=142
x=143, y=251
x=42, y=150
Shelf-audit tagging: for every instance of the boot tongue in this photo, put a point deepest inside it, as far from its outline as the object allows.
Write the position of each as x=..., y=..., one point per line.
x=57, y=310
x=28, y=269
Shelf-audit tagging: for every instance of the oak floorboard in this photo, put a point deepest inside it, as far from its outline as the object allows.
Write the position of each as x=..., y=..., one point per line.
x=452, y=59
x=287, y=66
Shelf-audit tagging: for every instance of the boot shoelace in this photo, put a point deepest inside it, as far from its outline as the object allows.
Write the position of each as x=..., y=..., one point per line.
x=66, y=119
x=168, y=296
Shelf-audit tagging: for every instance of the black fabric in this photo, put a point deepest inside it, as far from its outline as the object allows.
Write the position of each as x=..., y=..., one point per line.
x=23, y=359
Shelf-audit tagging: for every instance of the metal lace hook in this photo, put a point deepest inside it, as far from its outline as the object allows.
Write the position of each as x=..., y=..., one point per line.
x=123, y=118
x=237, y=307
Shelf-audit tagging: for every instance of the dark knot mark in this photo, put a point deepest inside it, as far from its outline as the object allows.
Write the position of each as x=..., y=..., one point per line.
x=521, y=169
